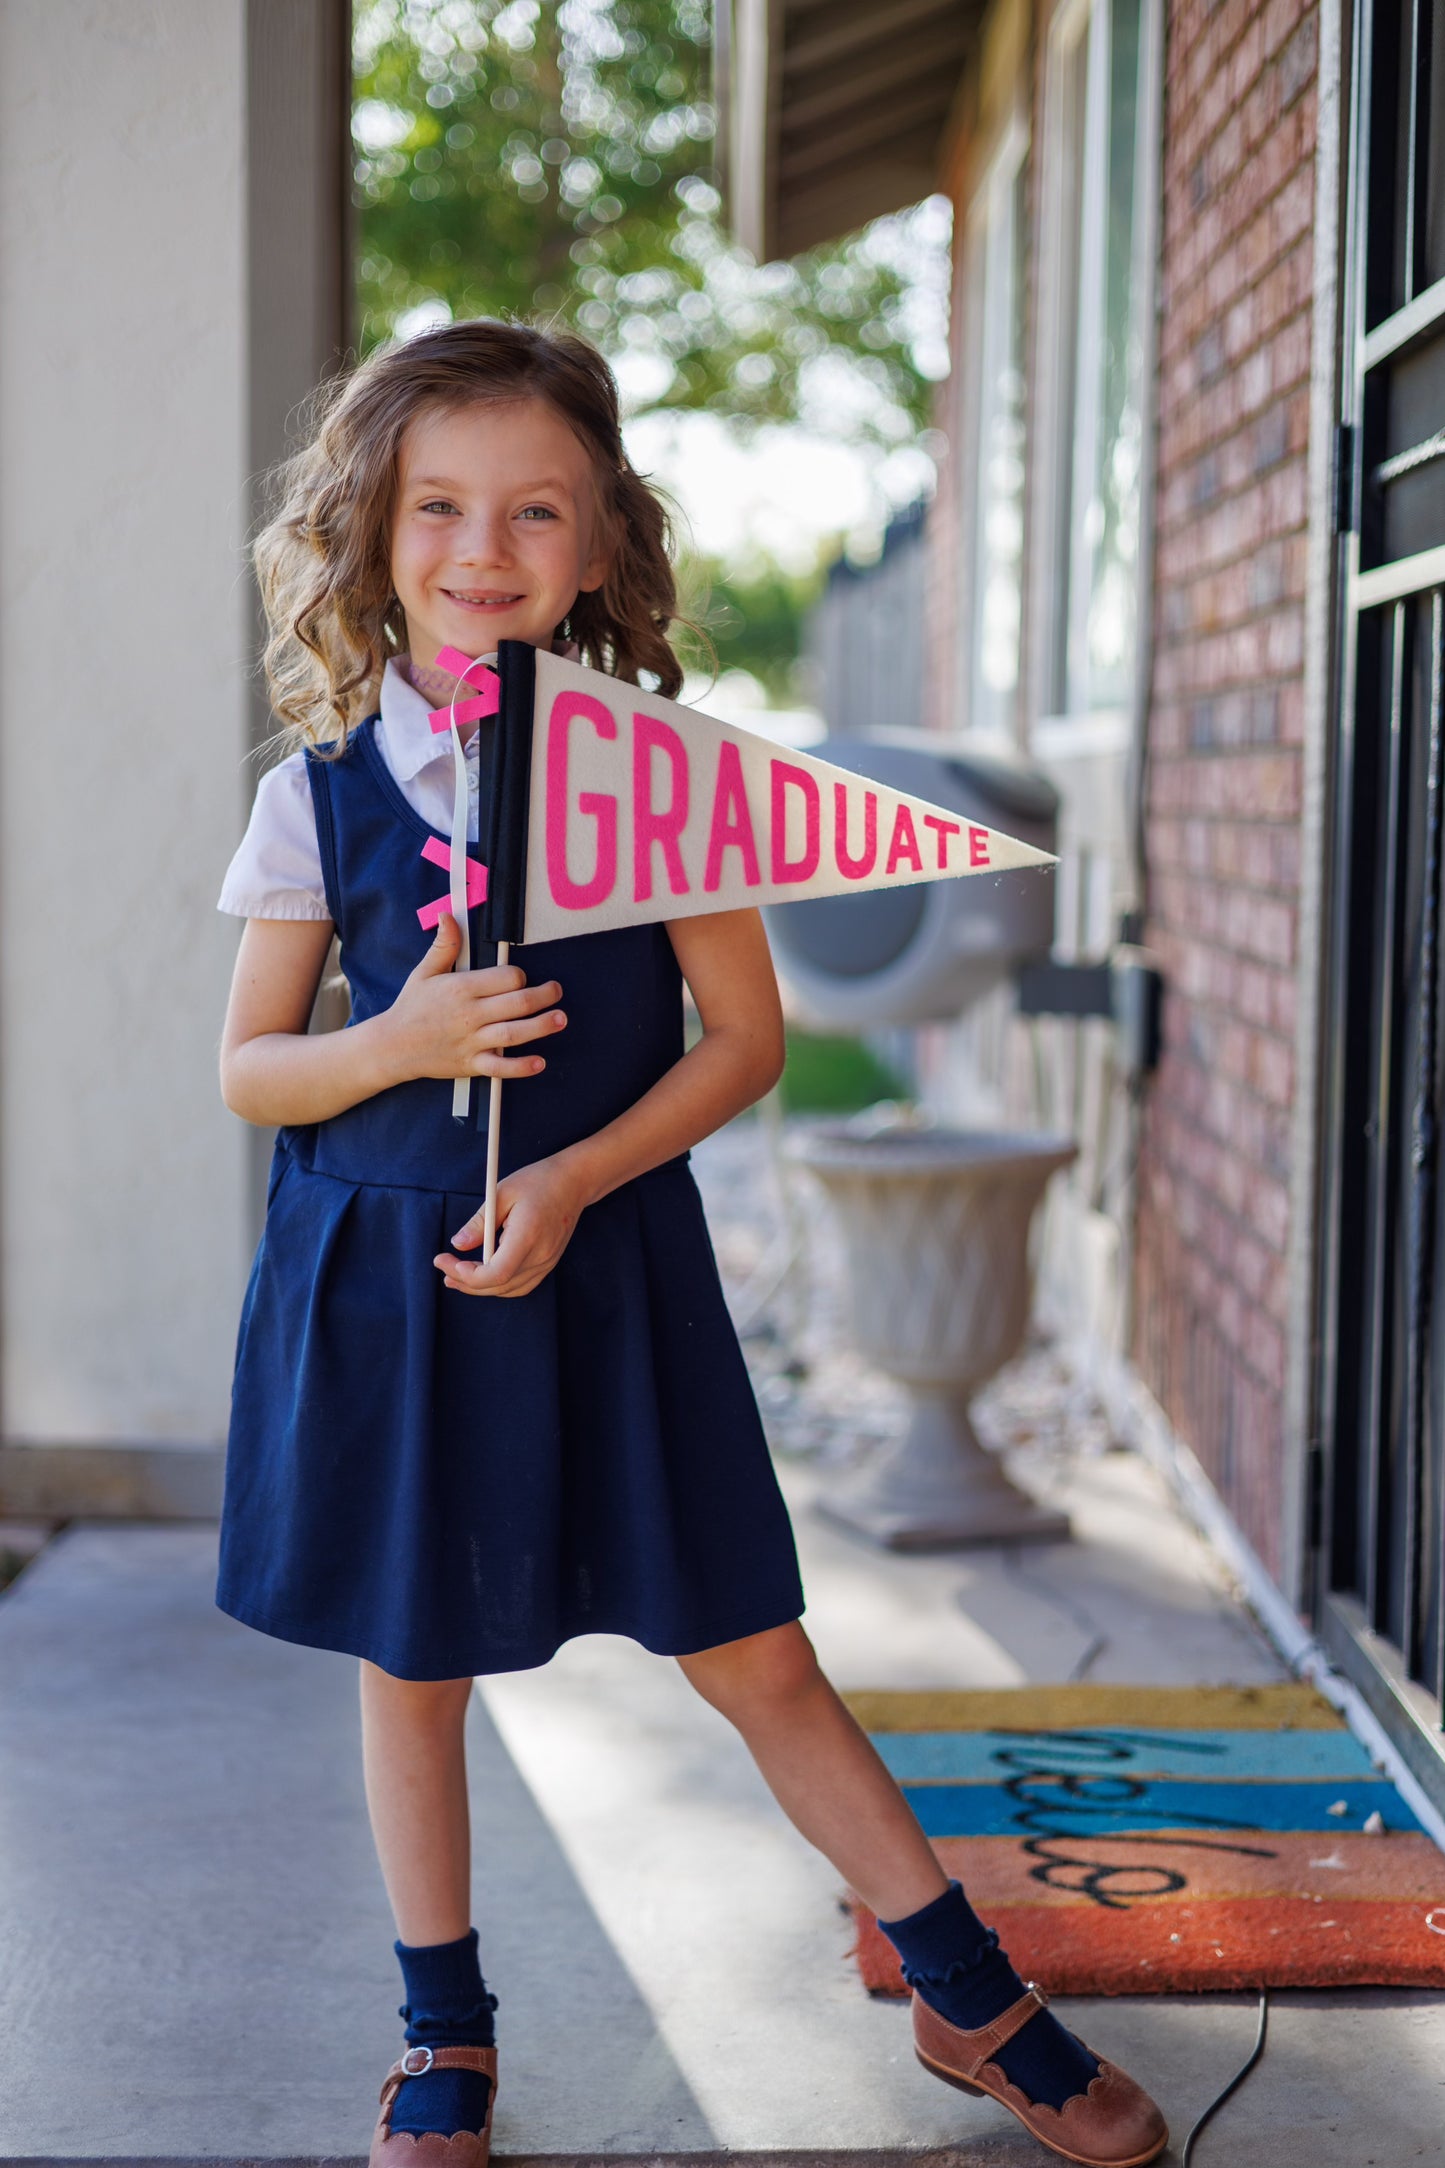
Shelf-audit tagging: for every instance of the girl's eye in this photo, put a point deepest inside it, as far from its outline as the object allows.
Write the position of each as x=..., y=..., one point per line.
x=444, y=504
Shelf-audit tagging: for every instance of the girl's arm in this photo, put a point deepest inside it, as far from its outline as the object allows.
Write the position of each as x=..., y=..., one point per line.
x=724, y=958
x=442, y=1024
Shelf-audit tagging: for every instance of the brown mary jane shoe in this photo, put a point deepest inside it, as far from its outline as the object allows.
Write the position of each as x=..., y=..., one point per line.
x=403, y=2148
x=1113, y=2125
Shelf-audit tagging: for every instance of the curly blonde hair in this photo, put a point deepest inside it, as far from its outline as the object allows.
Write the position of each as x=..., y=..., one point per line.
x=323, y=561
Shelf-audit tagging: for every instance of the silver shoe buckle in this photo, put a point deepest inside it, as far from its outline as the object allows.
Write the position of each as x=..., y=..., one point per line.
x=416, y=2070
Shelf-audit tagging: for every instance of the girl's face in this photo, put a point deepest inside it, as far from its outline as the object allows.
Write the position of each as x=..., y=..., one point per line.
x=493, y=537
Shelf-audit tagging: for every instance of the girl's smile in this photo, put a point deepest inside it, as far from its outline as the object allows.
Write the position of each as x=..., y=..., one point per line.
x=495, y=526
x=481, y=602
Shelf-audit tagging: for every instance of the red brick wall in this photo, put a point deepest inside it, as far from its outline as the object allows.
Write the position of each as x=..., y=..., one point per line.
x=1223, y=783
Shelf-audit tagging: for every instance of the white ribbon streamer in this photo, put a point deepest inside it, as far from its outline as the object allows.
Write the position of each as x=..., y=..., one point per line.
x=462, y=1088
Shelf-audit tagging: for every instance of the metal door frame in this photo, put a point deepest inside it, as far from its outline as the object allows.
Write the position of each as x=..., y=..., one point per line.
x=1349, y=1403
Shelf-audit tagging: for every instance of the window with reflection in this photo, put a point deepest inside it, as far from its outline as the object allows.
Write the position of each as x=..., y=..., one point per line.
x=1099, y=169
x=996, y=240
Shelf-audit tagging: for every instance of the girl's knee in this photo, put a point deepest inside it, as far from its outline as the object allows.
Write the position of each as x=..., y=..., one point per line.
x=415, y=1700
x=764, y=1671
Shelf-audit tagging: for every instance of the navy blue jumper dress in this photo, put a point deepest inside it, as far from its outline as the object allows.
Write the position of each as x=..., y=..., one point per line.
x=451, y=1484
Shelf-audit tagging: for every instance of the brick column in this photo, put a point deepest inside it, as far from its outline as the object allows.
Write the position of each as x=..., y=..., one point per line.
x=1225, y=769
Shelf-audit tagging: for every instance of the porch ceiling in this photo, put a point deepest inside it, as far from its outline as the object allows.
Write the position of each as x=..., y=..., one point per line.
x=832, y=111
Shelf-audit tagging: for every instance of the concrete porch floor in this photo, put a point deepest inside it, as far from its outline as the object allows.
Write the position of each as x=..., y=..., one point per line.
x=196, y=1962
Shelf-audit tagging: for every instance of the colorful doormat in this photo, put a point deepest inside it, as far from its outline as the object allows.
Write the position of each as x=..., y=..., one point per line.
x=1132, y=1840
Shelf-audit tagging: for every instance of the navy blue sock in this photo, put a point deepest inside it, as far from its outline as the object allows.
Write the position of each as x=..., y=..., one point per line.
x=956, y=1965
x=447, y=2006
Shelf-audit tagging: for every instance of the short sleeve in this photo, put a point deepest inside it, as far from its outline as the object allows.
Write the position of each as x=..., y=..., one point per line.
x=276, y=873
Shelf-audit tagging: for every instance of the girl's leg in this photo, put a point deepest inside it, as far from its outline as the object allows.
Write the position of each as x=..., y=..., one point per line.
x=414, y=1756
x=414, y=1759
x=821, y=1766
x=834, y=1788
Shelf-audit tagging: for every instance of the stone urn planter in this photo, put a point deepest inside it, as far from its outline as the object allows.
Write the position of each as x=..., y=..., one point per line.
x=936, y=1227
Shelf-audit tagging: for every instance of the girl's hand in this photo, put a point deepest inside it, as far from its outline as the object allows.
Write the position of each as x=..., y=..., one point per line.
x=537, y=1209
x=447, y=1023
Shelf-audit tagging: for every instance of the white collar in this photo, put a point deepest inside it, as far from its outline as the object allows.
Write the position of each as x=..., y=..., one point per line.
x=411, y=744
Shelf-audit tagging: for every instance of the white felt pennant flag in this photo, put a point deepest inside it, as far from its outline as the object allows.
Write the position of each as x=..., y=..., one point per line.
x=642, y=809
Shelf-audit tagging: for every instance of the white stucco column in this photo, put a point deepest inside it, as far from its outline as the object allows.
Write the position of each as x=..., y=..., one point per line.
x=127, y=446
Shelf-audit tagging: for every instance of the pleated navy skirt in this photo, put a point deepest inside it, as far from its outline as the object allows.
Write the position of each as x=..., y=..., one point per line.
x=450, y=1484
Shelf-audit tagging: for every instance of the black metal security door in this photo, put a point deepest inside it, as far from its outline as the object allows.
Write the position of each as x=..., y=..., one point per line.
x=1382, y=1533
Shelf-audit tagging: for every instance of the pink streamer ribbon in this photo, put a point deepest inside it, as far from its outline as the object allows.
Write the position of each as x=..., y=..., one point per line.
x=488, y=694
x=467, y=882
x=467, y=711
x=435, y=852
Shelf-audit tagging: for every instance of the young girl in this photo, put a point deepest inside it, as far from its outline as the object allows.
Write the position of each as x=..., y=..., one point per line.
x=448, y=1468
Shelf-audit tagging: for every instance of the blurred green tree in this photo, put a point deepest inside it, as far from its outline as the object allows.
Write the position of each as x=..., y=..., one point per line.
x=555, y=161
x=754, y=616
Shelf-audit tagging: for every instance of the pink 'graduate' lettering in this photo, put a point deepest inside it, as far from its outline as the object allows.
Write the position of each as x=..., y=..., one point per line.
x=642, y=810
x=943, y=829
x=904, y=844
x=649, y=826
x=785, y=778
x=595, y=804
x=732, y=822
x=855, y=869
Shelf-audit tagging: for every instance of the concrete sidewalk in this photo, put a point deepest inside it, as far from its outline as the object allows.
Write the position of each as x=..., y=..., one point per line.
x=195, y=1959
x=663, y=1817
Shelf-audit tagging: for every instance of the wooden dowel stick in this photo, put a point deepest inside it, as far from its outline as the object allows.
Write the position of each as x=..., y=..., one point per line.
x=494, y=1141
